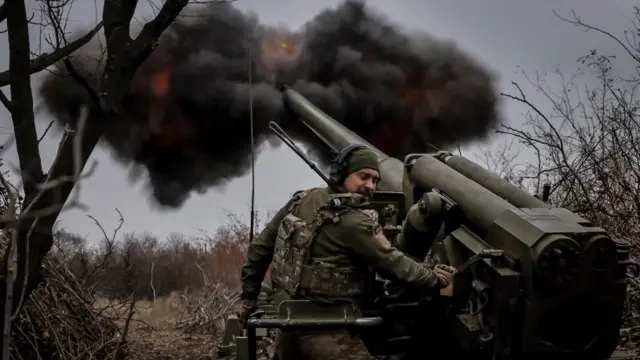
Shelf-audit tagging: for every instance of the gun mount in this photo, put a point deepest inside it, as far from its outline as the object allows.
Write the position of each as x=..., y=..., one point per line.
x=533, y=281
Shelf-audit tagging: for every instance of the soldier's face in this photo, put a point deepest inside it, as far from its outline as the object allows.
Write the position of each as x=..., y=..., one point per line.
x=363, y=182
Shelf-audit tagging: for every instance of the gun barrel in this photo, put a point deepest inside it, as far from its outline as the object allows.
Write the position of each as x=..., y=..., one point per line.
x=493, y=182
x=479, y=204
x=337, y=136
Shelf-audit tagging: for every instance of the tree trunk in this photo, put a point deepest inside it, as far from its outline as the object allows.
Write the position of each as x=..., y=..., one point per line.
x=124, y=56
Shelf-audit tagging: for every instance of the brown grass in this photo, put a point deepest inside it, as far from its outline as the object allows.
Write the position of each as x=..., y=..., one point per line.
x=168, y=299
x=156, y=333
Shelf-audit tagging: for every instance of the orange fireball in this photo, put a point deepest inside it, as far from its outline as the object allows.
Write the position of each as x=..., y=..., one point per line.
x=161, y=82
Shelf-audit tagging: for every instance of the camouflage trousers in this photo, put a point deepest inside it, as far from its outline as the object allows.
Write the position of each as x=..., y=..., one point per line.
x=320, y=346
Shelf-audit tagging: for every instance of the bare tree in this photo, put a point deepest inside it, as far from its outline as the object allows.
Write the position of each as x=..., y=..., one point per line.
x=588, y=145
x=45, y=194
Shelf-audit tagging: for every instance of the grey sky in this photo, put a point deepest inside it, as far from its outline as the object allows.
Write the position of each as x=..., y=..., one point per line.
x=507, y=35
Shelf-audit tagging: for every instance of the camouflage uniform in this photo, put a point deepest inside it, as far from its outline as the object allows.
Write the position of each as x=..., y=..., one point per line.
x=321, y=244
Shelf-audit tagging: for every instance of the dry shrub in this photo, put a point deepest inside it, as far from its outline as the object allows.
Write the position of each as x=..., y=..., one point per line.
x=162, y=295
x=143, y=265
x=94, y=297
x=205, y=311
x=59, y=321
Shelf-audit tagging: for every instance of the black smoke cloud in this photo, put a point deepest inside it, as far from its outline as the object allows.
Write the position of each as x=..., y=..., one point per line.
x=187, y=112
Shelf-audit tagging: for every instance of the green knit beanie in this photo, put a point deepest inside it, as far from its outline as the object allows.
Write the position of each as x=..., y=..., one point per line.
x=362, y=158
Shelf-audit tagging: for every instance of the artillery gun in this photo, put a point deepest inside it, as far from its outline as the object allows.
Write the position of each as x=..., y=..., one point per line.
x=533, y=281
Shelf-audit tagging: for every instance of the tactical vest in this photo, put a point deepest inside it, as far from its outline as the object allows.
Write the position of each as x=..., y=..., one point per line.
x=294, y=269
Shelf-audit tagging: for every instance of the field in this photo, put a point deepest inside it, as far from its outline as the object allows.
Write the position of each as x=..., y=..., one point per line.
x=133, y=296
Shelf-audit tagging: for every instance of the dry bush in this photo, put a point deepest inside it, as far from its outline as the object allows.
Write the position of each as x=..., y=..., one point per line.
x=205, y=311
x=59, y=321
x=97, y=300
x=163, y=295
x=151, y=268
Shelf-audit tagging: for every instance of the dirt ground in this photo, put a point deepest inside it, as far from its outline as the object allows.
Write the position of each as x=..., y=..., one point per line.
x=167, y=344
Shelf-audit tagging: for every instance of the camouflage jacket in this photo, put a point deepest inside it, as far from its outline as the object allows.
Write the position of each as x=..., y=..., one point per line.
x=349, y=245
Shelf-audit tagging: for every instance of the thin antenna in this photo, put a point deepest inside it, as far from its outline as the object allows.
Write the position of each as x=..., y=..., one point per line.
x=253, y=168
x=287, y=140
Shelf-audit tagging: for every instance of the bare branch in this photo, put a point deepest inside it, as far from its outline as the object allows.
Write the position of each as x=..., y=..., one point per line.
x=45, y=60
x=5, y=101
x=44, y=133
x=578, y=22
x=145, y=42
x=117, y=18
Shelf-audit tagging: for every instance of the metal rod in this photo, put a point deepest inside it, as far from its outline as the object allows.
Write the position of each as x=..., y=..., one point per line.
x=305, y=323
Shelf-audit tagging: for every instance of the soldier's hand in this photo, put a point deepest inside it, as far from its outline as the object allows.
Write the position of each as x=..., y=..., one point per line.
x=243, y=309
x=446, y=271
x=447, y=291
x=445, y=274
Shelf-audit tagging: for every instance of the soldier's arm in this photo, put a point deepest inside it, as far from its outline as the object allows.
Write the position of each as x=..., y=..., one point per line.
x=259, y=256
x=364, y=236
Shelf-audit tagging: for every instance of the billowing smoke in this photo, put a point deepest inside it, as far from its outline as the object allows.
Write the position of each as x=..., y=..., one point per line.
x=187, y=113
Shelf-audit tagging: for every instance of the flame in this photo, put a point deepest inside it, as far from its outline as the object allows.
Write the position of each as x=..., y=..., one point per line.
x=168, y=128
x=279, y=44
x=288, y=48
x=161, y=82
x=276, y=47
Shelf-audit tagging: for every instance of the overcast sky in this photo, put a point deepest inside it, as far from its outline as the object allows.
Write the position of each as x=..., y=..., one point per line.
x=507, y=35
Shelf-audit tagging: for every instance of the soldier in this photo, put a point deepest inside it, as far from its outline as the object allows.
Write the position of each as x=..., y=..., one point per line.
x=321, y=244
